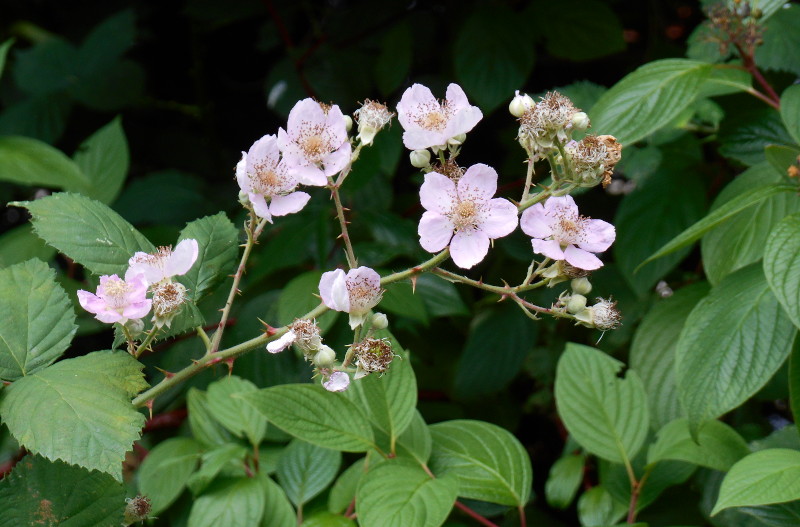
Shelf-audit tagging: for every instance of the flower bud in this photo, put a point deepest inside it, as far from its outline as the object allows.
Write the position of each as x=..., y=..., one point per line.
x=457, y=139
x=580, y=121
x=576, y=304
x=581, y=286
x=325, y=357
x=348, y=123
x=379, y=321
x=372, y=117
x=420, y=158
x=135, y=326
x=244, y=199
x=520, y=104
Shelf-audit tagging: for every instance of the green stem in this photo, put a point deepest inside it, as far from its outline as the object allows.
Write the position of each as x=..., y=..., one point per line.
x=145, y=343
x=348, y=246
x=204, y=337
x=500, y=290
x=262, y=340
x=528, y=181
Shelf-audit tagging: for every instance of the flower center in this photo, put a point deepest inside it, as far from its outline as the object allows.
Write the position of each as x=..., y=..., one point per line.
x=569, y=230
x=266, y=180
x=435, y=120
x=115, y=291
x=314, y=146
x=464, y=214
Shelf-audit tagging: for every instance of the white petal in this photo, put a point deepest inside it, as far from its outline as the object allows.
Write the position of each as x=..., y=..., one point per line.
x=182, y=258
x=582, y=259
x=309, y=175
x=549, y=248
x=438, y=193
x=336, y=161
x=260, y=206
x=282, y=343
x=434, y=231
x=535, y=222
x=241, y=173
x=498, y=218
x=333, y=290
x=338, y=382
x=478, y=184
x=469, y=247
x=289, y=204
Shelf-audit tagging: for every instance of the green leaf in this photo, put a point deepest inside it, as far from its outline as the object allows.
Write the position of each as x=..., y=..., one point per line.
x=232, y=502
x=614, y=478
x=781, y=48
x=4, y=47
x=605, y=413
x=653, y=351
x=441, y=298
x=649, y=98
x=740, y=240
x=597, y=508
x=304, y=470
x=212, y=463
x=746, y=133
x=218, y=240
x=398, y=494
x=166, y=469
x=723, y=213
x=104, y=159
x=781, y=257
x=733, y=342
x=725, y=80
x=564, y=480
x=578, y=30
x=762, y=478
x=31, y=162
x=493, y=55
x=794, y=385
x=204, y=427
x=328, y=519
x=343, y=492
x=233, y=413
x=78, y=410
x=37, y=321
x=506, y=331
x=42, y=117
x=398, y=298
x=87, y=231
x=278, y=512
x=668, y=202
x=416, y=442
x=40, y=492
x=781, y=157
x=20, y=244
x=790, y=111
x=300, y=296
x=718, y=446
x=489, y=463
x=389, y=400
x=47, y=67
x=313, y=414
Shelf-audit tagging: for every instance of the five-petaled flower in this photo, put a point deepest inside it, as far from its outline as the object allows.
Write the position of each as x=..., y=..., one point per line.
x=428, y=122
x=315, y=142
x=164, y=263
x=355, y=293
x=263, y=175
x=117, y=300
x=560, y=233
x=464, y=214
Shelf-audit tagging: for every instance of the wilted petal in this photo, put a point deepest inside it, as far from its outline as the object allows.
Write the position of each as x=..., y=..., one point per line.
x=182, y=258
x=333, y=290
x=286, y=340
x=338, y=382
x=469, y=247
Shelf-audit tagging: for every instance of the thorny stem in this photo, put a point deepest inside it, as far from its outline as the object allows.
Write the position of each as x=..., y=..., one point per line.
x=252, y=235
x=249, y=345
x=348, y=246
x=129, y=339
x=500, y=290
x=145, y=343
x=528, y=180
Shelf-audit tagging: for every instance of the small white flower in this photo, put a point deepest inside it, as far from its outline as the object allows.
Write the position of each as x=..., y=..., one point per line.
x=355, y=293
x=164, y=263
x=431, y=123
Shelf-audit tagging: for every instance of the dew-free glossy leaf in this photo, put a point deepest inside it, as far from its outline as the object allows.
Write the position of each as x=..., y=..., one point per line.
x=232, y=502
x=204, y=427
x=762, y=478
x=304, y=470
x=31, y=162
x=343, y=492
x=214, y=461
x=563, y=481
x=718, y=446
x=790, y=111
x=166, y=470
x=232, y=412
x=781, y=48
x=278, y=512
x=781, y=265
x=605, y=413
x=20, y=244
x=37, y=321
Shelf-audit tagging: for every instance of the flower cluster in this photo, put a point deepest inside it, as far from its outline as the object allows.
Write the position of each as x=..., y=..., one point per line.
x=550, y=120
x=121, y=301
x=593, y=159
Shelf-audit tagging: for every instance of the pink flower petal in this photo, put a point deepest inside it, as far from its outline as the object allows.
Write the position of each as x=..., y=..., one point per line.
x=407, y=109
x=561, y=206
x=309, y=175
x=498, y=218
x=582, y=259
x=336, y=161
x=478, y=184
x=137, y=310
x=260, y=206
x=263, y=152
x=338, y=382
x=598, y=236
x=364, y=275
x=465, y=120
x=535, y=222
x=335, y=124
x=435, y=231
x=549, y=248
x=305, y=113
x=289, y=204
x=109, y=316
x=438, y=193
x=420, y=139
x=139, y=264
x=241, y=174
x=333, y=290
x=282, y=343
x=182, y=258
x=90, y=302
x=469, y=247
x=456, y=98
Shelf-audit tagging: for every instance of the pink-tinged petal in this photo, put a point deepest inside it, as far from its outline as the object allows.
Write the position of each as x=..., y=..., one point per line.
x=598, y=236
x=90, y=302
x=109, y=316
x=305, y=113
x=287, y=147
x=535, y=222
x=137, y=310
x=182, y=258
x=435, y=231
x=438, y=193
x=241, y=174
x=309, y=175
x=338, y=382
x=263, y=152
x=138, y=265
x=465, y=120
x=478, y=184
x=282, y=343
x=260, y=206
x=408, y=107
x=469, y=247
x=336, y=161
x=333, y=290
x=549, y=248
x=456, y=98
x=336, y=126
x=364, y=275
x=582, y=259
x=289, y=204
x=498, y=218
x=561, y=206
x=420, y=139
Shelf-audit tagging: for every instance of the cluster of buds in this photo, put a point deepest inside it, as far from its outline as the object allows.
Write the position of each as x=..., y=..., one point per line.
x=735, y=25
x=593, y=159
x=602, y=315
x=543, y=125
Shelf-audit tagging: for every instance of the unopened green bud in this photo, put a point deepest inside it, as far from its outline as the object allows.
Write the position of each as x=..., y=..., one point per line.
x=576, y=304
x=325, y=357
x=581, y=286
x=457, y=139
x=135, y=326
x=244, y=199
x=420, y=158
x=348, y=123
x=379, y=321
x=520, y=104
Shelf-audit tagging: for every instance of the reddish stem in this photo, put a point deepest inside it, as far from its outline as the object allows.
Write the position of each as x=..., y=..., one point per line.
x=522, y=520
x=474, y=515
x=350, y=508
x=750, y=65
